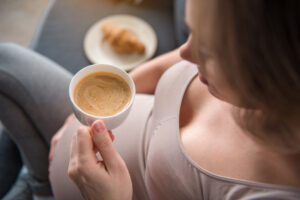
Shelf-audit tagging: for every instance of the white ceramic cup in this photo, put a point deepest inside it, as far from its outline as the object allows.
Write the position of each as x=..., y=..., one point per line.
x=88, y=119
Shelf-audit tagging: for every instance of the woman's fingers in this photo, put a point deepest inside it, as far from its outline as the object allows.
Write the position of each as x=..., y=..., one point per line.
x=70, y=118
x=85, y=143
x=50, y=156
x=51, y=152
x=109, y=179
x=112, y=137
x=82, y=146
x=103, y=142
x=56, y=137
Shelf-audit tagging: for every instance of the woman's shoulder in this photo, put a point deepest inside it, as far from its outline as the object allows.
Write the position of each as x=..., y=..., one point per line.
x=183, y=65
x=178, y=76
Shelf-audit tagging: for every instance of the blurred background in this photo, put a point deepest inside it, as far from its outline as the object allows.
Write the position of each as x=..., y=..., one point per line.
x=19, y=19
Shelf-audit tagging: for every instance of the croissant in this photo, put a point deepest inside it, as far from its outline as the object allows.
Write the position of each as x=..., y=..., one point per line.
x=122, y=40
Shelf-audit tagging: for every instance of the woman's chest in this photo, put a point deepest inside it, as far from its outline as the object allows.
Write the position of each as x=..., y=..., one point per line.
x=210, y=135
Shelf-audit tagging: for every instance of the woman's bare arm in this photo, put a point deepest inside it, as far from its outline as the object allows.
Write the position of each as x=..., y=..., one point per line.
x=147, y=75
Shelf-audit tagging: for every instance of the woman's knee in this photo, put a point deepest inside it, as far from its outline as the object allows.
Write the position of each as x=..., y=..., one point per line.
x=13, y=56
x=8, y=49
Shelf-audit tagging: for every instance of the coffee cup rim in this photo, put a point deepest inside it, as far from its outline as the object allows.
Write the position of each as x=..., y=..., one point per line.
x=131, y=85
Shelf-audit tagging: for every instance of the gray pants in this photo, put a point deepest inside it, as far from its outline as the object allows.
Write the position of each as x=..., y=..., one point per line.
x=34, y=103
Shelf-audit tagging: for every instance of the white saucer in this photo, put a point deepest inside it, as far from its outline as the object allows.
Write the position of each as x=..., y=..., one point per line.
x=98, y=50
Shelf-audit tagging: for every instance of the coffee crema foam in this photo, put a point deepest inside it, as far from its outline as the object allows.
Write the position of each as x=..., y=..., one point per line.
x=102, y=94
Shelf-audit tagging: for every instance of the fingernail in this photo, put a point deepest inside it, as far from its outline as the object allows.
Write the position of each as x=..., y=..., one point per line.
x=98, y=128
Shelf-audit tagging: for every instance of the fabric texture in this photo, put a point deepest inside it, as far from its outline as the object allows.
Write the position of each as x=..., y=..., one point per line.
x=34, y=103
x=149, y=142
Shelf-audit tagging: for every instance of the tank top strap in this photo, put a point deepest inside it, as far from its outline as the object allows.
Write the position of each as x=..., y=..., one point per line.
x=171, y=88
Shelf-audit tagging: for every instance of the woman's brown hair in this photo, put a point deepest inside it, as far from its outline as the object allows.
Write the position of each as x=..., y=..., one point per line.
x=258, y=46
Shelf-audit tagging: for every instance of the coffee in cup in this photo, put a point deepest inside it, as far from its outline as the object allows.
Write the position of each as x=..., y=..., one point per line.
x=102, y=94
x=101, y=91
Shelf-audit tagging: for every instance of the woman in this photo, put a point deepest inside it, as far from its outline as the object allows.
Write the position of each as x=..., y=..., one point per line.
x=232, y=135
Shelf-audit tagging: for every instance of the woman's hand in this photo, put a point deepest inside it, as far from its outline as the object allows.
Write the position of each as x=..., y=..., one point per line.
x=57, y=136
x=108, y=179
